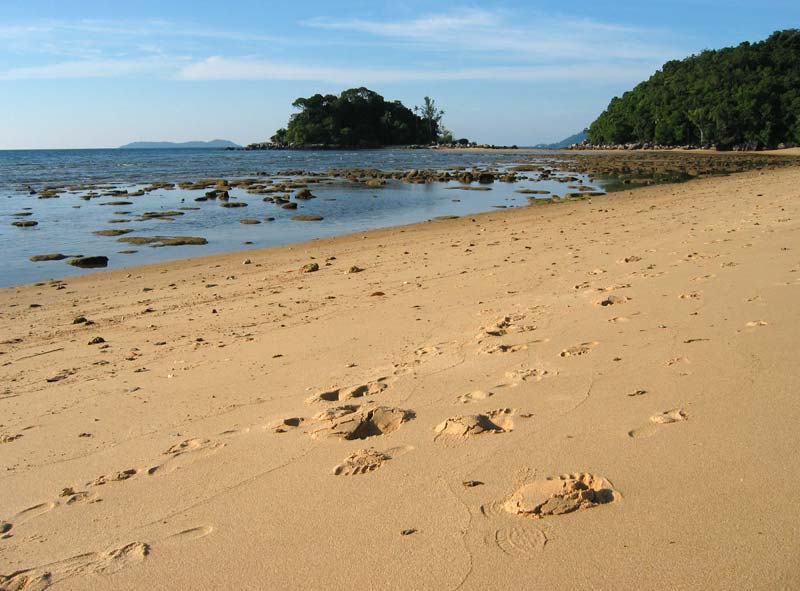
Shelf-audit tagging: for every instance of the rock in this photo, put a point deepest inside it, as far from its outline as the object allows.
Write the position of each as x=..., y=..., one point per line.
x=376, y=183
x=290, y=205
x=304, y=194
x=119, y=232
x=97, y=341
x=532, y=192
x=269, y=219
x=307, y=218
x=92, y=262
x=159, y=241
x=309, y=268
x=80, y=320
x=247, y=262
x=485, y=178
x=249, y=221
x=25, y=223
x=233, y=204
x=354, y=269
x=56, y=256
x=160, y=214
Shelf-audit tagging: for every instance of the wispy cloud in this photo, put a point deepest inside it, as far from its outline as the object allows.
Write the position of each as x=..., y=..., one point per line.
x=470, y=44
x=423, y=27
x=543, y=37
x=80, y=69
x=220, y=68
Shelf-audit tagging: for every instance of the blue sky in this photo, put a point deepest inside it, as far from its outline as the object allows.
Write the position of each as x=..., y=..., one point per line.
x=102, y=73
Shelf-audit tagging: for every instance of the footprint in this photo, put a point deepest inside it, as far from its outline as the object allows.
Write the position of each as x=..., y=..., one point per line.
x=578, y=350
x=690, y=296
x=676, y=360
x=106, y=563
x=507, y=325
x=341, y=394
x=495, y=421
x=527, y=374
x=702, y=278
x=614, y=287
x=754, y=323
x=193, y=533
x=362, y=461
x=474, y=396
x=25, y=516
x=190, y=445
x=351, y=421
x=9, y=438
x=185, y=453
x=676, y=415
x=630, y=259
x=619, y=319
x=118, y=477
x=612, y=300
x=504, y=349
x=560, y=495
x=519, y=542
x=286, y=425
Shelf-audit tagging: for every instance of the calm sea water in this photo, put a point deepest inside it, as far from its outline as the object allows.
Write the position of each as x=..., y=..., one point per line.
x=65, y=224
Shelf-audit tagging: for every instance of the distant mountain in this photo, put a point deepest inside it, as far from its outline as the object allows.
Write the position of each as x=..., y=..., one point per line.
x=217, y=144
x=565, y=143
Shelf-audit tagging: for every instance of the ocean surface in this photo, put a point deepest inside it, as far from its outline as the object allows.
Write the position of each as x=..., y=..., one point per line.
x=66, y=223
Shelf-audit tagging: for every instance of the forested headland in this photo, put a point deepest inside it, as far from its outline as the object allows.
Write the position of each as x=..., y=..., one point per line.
x=746, y=96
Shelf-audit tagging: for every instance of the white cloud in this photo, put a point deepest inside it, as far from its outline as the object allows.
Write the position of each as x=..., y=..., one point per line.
x=546, y=37
x=470, y=44
x=104, y=68
x=220, y=68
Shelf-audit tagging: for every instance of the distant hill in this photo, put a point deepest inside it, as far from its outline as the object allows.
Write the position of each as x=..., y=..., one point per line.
x=163, y=145
x=745, y=96
x=565, y=143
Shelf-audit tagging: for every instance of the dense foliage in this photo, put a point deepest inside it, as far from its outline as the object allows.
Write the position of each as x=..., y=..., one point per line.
x=738, y=96
x=359, y=117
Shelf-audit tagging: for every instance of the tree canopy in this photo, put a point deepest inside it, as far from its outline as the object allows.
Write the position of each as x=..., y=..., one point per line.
x=359, y=117
x=747, y=95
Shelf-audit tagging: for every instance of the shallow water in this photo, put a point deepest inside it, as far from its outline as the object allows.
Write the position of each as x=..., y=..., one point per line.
x=66, y=223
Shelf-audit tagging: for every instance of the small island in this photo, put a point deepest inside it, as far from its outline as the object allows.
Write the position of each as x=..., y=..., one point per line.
x=360, y=118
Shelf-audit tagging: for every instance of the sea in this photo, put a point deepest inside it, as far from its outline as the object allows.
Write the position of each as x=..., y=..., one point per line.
x=65, y=224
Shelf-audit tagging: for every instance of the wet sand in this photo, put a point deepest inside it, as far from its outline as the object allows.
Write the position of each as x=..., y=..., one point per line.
x=597, y=394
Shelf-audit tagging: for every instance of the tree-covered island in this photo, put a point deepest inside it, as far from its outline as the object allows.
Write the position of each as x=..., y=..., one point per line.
x=361, y=118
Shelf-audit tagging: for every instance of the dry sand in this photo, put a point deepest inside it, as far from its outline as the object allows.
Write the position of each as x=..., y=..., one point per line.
x=588, y=395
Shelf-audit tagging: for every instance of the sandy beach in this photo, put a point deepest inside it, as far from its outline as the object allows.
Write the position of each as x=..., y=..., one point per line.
x=598, y=394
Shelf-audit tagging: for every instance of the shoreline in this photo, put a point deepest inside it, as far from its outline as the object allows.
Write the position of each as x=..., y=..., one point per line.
x=642, y=342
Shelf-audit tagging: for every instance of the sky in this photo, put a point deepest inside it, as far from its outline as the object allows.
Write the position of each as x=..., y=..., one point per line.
x=92, y=73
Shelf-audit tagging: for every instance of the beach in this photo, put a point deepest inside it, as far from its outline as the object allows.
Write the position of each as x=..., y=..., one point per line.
x=593, y=394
